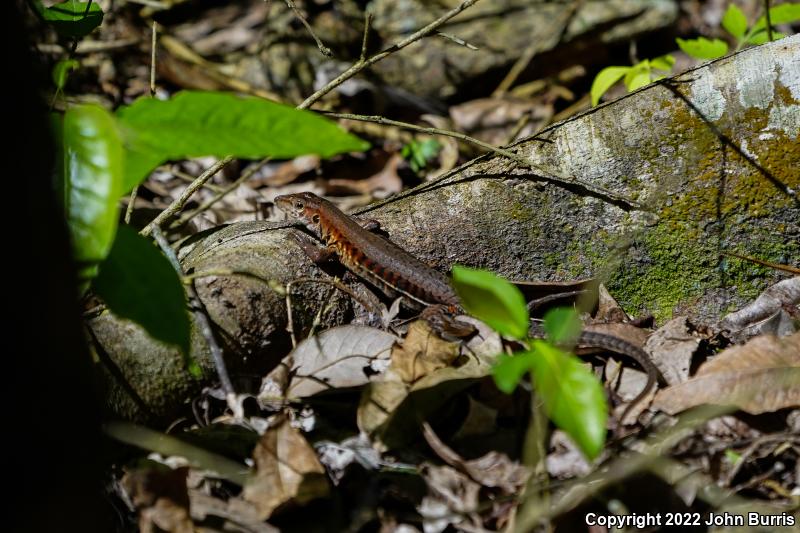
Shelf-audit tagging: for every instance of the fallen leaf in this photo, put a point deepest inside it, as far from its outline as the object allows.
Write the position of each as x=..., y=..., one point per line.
x=392, y=411
x=493, y=470
x=286, y=470
x=770, y=302
x=565, y=460
x=379, y=185
x=421, y=352
x=289, y=171
x=671, y=349
x=336, y=358
x=160, y=497
x=452, y=499
x=758, y=377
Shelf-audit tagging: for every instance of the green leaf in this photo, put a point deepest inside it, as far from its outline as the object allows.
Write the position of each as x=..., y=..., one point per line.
x=734, y=21
x=702, y=48
x=493, y=300
x=665, y=62
x=562, y=325
x=604, y=80
x=781, y=14
x=92, y=180
x=573, y=397
x=61, y=72
x=762, y=37
x=637, y=79
x=508, y=370
x=138, y=283
x=71, y=19
x=196, y=123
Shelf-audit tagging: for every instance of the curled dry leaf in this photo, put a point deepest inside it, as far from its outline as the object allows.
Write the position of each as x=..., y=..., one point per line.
x=421, y=353
x=758, y=377
x=493, y=470
x=671, y=348
x=161, y=498
x=286, y=470
x=346, y=356
x=770, y=302
x=392, y=411
x=452, y=499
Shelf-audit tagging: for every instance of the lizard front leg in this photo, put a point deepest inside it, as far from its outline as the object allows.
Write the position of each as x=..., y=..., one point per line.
x=313, y=250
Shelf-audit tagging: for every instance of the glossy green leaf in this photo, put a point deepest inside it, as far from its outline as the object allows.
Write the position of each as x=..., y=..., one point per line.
x=196, y=123
x=605, y=79
x=763, y=37
x=702, y=48
x=734, y=21
x=509, y=369
x=71, y=18
x=61, y=72
x=138, y=283
x=92, y=180
x=665, y=62
x=780, y=14
x=562, y=325
x=493, y=300
x=573, y=397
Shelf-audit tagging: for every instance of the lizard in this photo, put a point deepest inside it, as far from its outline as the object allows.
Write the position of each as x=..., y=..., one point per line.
x=394, y=270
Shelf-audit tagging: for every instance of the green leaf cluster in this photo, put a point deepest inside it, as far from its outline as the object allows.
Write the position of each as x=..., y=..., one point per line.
x=635, y=77
x=419, y=153
x=734, y=22
x=573, y=397
x=105, y=155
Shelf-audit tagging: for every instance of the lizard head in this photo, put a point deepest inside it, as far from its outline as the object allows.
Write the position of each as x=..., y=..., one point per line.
x=303, y=207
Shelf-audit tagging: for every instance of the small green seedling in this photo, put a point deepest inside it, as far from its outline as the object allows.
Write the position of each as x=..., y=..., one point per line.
x=573, y=397
x=636, y=76
x=734, y=22
x=419, y=153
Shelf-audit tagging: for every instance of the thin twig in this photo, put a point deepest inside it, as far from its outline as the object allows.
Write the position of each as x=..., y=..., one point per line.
x=769, y=20
x=324, y=50
x=546, y=175
x=131, y=201
x=153, y=61
x=361, y=64
x=204, y=325
x=530, y=52
x=178, y=204
x=365, y=37
x=246, y=175
x=216, y=272
x=776, y=266
x=183, y=52
x=459, y=41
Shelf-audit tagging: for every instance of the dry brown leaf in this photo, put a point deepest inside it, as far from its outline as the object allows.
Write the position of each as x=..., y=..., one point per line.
x=452, y=499
x=493, y=470
x=671, y=348
x=421, y=353
x=286, y=470
x=346, y=356
x=289, y=171
x=393, y=410
x=161, y=499
x=382, y=184
x=758, y=377
x=770, y=302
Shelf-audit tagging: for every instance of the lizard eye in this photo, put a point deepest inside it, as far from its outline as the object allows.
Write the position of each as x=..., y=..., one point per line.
x=299, y=205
